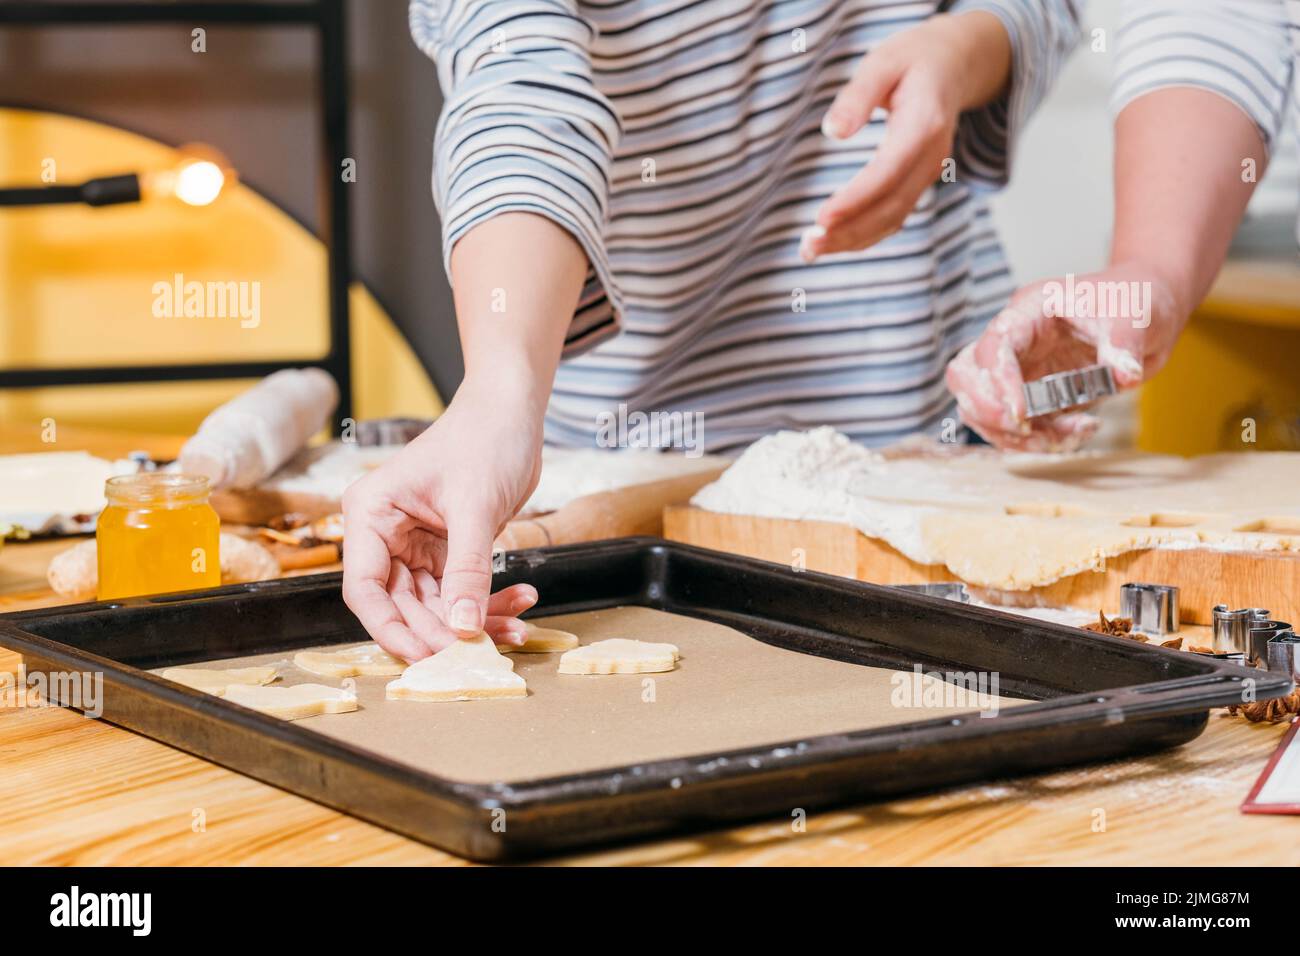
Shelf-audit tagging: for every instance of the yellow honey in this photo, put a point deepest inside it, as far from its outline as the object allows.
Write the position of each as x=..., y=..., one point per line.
x=157, y=534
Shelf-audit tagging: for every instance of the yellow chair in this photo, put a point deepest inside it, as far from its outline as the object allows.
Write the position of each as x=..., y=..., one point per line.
x=1231, y=383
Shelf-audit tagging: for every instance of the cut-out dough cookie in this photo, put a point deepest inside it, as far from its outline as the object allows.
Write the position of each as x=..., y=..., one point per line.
x=541, y=640
x=619, y=656
x=293, y=703
x=217, y=681
x=467, y=670
x=364, y=660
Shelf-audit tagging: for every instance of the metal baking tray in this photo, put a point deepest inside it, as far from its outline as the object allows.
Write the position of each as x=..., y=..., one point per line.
x=1095, y=697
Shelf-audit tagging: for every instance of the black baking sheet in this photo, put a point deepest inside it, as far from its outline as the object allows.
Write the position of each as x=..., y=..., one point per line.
x=1096, y=697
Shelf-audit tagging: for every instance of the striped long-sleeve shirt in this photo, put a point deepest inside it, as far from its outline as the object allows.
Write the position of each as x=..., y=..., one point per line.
x=1247, y=51
x=679, y=142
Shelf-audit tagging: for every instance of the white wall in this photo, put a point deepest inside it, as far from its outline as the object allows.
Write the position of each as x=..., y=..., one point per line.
x=1055, y=217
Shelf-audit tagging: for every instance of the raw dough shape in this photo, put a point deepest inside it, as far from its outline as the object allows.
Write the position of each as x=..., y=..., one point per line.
x=363, y=660
x=218, y=682
x=467, y=670
x=619, y=655
x=541, y=640
x=293, y=703
x=75, y=572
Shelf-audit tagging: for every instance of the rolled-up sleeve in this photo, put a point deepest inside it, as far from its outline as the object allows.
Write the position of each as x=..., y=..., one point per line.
x=523, y=129
x=1238, y=49
x=1043, y=33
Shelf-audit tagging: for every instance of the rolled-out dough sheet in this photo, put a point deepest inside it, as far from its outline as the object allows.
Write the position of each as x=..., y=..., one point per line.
x=1018, y=521
x=728, y=692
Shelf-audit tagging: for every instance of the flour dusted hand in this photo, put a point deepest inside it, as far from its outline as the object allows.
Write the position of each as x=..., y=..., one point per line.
x=1124, y=318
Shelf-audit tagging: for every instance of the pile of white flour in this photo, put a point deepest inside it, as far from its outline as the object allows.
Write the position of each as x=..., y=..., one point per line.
x=816, y=475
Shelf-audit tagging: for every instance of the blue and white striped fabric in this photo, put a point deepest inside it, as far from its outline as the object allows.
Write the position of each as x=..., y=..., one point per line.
x=1244, y=50
x=679, y=142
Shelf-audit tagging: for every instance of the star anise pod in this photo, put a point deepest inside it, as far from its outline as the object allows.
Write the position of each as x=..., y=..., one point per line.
x=1115, y=627
x=1274, y=711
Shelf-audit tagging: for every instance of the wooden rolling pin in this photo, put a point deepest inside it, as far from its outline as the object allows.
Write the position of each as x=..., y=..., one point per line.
x=258, y=506
x=634, y=509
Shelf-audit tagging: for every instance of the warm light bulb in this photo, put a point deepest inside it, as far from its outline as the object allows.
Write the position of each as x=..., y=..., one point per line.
x=198, y=177
x=199, y=183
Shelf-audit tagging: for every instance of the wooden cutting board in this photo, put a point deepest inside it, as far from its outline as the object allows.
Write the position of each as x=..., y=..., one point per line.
x=1204, y=577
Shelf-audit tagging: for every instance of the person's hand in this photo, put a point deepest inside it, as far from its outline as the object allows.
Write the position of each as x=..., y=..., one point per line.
x=1125, y=317
x=419, y=530
x=925, y=77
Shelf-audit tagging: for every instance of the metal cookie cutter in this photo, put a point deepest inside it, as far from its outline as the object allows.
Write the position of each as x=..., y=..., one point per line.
x=1055, y=393
x=1266, y=643
x=1232, y=629
x=1284, y=654
x=1153, y=608
x=1262, y=633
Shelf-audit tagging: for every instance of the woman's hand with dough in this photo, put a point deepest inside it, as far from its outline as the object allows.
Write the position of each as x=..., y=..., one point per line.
x=419, y=530
x=1125, y=317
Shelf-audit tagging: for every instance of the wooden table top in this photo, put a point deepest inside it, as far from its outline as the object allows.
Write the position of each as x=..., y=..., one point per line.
x=1260, y=291
x=79, y=791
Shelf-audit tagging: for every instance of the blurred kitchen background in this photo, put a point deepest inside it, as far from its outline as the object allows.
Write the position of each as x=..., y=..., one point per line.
x=93, y=97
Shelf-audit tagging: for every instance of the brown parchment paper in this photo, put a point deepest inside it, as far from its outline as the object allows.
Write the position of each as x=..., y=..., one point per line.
x=728, y=692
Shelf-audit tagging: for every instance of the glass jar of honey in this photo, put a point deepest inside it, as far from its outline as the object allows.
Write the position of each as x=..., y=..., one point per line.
x=157, y=534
